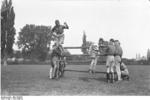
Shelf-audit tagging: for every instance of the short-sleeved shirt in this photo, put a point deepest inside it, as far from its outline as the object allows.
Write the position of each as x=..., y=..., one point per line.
x=93, y=51
x=59, y=29
x=118, y=50
x=110, y=49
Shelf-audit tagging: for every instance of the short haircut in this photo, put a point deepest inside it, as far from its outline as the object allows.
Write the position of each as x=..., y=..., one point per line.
x=112, y=40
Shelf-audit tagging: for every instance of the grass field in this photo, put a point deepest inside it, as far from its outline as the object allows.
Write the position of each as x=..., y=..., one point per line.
x=33, y=80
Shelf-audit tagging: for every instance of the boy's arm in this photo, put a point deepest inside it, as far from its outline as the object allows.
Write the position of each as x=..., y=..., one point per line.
x=121, y=53
x=53, y=29
x=65, y=26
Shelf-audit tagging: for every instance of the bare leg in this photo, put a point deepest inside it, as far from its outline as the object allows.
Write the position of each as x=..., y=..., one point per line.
x=54, y=70
x=118, y=71
x=95, y=63
x=108, y=74
x=51, y=73
x=112, y=71
x=91, y=66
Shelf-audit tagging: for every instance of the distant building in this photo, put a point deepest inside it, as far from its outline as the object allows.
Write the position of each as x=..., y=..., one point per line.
x=138, y=57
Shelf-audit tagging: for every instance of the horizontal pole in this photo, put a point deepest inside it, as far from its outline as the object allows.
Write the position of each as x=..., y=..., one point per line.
x=84, y=55
x=74, y=47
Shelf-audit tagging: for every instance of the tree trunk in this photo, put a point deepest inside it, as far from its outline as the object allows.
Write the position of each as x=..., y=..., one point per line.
x=5, y=59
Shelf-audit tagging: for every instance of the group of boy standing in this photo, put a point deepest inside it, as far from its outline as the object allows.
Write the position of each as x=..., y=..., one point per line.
x=115, y=66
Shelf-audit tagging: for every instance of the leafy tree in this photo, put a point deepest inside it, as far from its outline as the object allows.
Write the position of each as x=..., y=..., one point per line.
x=34, y=41
x=7, y=28
x=17, y=54
x=85, y=44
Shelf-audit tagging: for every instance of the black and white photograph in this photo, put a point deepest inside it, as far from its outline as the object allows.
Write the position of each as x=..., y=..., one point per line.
x=75, y=48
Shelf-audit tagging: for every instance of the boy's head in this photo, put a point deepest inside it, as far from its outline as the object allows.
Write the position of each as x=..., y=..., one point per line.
x=117, y=42
x=111, y=41
x=57, y=23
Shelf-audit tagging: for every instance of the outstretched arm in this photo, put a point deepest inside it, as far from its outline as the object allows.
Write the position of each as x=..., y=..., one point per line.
x=53, y=29
x=66, y=26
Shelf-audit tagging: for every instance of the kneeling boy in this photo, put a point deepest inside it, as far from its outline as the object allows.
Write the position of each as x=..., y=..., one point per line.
x=124, y=71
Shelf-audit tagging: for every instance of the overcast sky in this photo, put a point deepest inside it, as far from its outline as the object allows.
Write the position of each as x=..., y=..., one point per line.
x=125, y=20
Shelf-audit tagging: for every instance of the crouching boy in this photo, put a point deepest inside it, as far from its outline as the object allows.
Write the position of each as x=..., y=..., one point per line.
x=124, y=71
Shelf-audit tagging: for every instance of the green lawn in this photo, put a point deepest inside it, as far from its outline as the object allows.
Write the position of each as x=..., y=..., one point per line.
x=33, y=80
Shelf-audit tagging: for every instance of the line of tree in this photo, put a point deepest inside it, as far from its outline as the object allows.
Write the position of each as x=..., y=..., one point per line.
x=7, y=29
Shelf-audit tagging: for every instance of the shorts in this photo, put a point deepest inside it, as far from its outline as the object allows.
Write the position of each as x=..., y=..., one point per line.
x=117, y=59
x=60, y=40
x=125, y=72
x=110, y=61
